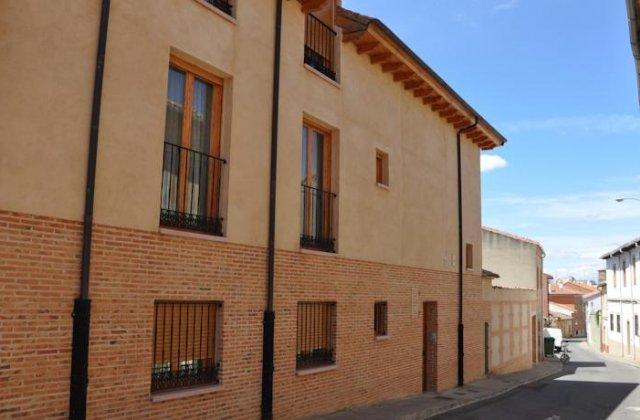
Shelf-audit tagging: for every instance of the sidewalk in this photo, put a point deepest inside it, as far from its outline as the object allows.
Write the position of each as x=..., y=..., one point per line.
x=431, y=404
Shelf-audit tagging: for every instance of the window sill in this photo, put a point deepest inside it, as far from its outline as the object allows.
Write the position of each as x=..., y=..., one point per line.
x=313, y=371
x=322, y=76
x=382, y=337
x=217, y=11
x=191, y=235
x=383, y=186
x=185, y=393
x=316, y=252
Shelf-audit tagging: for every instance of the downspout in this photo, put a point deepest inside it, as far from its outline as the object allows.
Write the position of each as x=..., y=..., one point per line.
x=460, y=247
x=269, y=314
x=82, y=305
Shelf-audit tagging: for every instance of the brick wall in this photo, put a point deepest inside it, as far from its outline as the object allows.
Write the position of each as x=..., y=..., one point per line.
x=39, y=275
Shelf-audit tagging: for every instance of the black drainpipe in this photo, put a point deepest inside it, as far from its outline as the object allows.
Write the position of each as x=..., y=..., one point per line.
x=460, y=263
x=82, y=305
x=269, y=314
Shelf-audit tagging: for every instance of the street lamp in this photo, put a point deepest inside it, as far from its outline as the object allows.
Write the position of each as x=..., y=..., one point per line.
x=621, y=199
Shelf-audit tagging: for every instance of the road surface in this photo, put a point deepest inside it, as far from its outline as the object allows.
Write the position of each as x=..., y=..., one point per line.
x=592, y=387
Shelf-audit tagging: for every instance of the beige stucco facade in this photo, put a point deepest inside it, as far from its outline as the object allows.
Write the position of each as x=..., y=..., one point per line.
x=396, y=244
x=43, y=164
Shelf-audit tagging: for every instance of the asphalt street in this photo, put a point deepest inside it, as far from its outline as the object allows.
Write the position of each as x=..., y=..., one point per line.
x=591, y=387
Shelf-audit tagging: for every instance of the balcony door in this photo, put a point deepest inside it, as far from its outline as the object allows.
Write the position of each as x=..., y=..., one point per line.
x=317, y=198
x=192, y=165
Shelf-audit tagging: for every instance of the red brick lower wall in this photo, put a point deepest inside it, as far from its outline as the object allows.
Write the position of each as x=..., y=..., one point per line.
x=39, y=275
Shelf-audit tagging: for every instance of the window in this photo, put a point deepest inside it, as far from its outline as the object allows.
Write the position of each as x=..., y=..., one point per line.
x=316, y=334
x=186, y=341
x=317, y=199
x=614, y=269
x=635, y=325
x=224, y=5
x=382, y=168
x=320, y=46
x=633, y=269
x=618, y=323
x=624, y=274
x=380, y=319
x=611, y=321
x=192, y=167
x=469, y=256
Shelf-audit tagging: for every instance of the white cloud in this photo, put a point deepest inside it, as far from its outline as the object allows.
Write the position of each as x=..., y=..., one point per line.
x=588, y=124
x=589, y=206
x=505, y=5
x=491, y=162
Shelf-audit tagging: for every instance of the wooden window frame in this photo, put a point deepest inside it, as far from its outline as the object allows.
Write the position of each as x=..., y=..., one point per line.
x=192, y=72
x=327, y=146
x=380, y=319
x=326, y=153
x=468, y=256
x=382, y=168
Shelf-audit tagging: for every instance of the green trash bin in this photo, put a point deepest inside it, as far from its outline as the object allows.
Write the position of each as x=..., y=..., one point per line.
x=549, y=345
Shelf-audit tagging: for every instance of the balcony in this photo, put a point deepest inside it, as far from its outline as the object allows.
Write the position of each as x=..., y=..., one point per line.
x=223, y=5
x=319, y=48
x=191, y=190
x=317, y=219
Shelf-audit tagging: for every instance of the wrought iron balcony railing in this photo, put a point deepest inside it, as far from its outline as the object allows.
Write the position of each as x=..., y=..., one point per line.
x=317, y=219
x=224, y=5
x=319, y=48
x=191, y=190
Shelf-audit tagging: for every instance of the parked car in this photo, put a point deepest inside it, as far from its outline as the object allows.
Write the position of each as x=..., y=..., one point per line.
x=556, y=333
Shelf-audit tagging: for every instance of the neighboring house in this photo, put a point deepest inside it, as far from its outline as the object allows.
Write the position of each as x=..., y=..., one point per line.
x=633, y=7
x=195, y=255
x=569, y=293
x=604, y=324
x=623, y=292
x=561, y=316
x=593, y=319
x=516, y=297
x=546, y=279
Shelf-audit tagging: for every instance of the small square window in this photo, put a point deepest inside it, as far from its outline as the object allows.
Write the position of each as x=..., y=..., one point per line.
x=469, y=256
x=380, y=319
x=382, y=168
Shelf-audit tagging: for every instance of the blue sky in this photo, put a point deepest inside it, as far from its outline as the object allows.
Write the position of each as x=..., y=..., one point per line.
x=557, y=78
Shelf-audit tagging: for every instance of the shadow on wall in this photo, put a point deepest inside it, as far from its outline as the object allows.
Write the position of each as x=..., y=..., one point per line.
x=554, y=396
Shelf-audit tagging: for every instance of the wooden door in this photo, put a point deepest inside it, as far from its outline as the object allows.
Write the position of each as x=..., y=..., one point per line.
x=430, y=347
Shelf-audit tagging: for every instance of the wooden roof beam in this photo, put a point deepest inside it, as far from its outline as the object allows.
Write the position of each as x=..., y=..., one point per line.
x=364, y=47
x=413, y=84
x=352, y=36
x=311, y=5
x=380, y=57
x=448, y=112
x=431, y=99
x=400, y=76
x=440, y=106
x=455, y=118
x=423, y=92
x=462, y=124
x=389, y=67
x=487, y=144
x=480, y=139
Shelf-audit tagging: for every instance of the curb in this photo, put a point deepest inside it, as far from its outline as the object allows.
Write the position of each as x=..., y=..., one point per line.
x=455, y=406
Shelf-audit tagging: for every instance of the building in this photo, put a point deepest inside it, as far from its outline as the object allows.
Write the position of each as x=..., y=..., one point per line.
x=592, y=304
x=604, y=324
x=633, y=6
x=622, y=309
x=516, y=297
x=157, y=206
x=546, y=279
x=569, y=293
